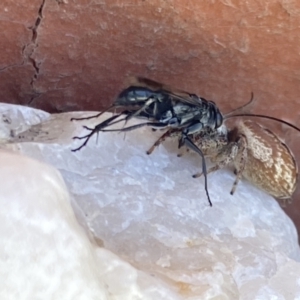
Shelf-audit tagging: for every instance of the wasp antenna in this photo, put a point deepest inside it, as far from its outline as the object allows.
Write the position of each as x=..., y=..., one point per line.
x=241, y=107
x=263, y=117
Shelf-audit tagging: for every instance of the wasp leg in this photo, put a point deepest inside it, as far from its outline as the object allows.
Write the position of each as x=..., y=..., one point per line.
x=129, y=114
x=210, y=170
x=147, y=104
x=224, y=158
x=87, y=137
x=107, y=123
x=99, y=128
x=93, y=131
x=133, y=127
x=95, y=116
x=189, y=143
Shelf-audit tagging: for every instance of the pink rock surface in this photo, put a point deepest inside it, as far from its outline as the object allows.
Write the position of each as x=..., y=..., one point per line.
x=74, y=54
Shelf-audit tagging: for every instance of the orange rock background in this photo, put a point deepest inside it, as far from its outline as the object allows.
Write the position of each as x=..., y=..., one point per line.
x=62, y=55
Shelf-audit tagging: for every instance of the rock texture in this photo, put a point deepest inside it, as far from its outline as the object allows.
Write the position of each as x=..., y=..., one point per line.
x=62, y=55
x=45, y=253
x=168, y=243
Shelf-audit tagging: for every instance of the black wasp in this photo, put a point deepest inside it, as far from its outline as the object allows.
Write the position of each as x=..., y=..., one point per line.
x=164, y=108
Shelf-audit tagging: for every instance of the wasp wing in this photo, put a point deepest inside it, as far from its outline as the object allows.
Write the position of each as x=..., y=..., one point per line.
x=176, y=94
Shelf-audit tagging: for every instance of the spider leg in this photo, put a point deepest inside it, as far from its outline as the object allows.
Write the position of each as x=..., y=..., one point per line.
x=166, y=135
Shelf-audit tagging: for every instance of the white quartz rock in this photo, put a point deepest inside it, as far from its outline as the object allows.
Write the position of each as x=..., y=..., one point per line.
x=16, y=118
x=45, y=254
x=150, y=212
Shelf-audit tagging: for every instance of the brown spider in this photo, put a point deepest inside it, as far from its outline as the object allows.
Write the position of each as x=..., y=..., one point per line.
x=256, y=153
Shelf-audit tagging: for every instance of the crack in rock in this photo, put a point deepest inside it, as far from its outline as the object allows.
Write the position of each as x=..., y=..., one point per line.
x=29, y=49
